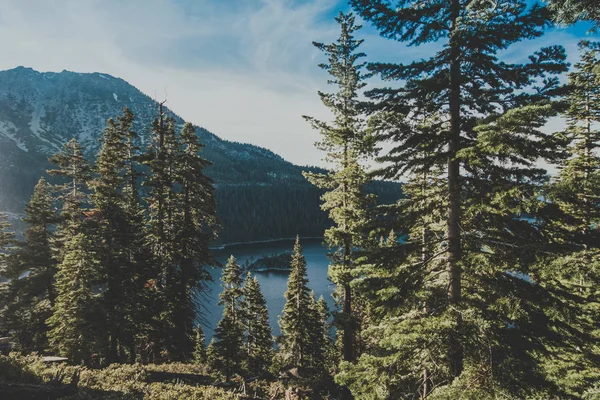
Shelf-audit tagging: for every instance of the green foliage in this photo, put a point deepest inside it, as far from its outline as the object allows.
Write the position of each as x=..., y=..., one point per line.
x=117, y=381
x=569, y=11
x=258, y=339
x=75, y=173
x=77, y=318
x=181, y=224
x=301, y=343
x=228, y=346
x=31, y=293
x=448, y=304
x=573, y=224
x=200, y=356
x=120, y=233
x=346, y=143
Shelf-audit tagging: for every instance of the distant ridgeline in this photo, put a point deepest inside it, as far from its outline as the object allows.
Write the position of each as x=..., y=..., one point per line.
x=259, y=195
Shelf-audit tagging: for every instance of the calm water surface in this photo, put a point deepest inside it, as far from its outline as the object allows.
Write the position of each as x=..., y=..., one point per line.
x=273, y=283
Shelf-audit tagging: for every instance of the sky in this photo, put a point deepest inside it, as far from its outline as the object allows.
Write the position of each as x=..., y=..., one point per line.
x=245, y=70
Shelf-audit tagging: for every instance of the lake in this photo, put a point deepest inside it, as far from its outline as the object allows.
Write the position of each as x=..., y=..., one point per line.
x=272, y=283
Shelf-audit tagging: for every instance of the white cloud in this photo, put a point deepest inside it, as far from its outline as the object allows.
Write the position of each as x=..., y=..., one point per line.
x=244, y=69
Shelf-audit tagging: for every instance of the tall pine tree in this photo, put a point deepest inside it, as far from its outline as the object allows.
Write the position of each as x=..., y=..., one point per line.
x=572, y=269
x=77, y=320
x=75, y=174
x=32, y=269
x=346, y=143
x=182, y=222
x=195, y=228
x=484, y=151
x=258, y=339
x=299, y=319
x=120, y=232
x=229, y=335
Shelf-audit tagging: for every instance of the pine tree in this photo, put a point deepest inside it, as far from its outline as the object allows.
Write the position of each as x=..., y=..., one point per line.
x=33, y=267
x=258, y=339
x=75, y=172
x=212, y=358
x=346, y=143
x=319, y=336
x=483, y=152
x=182, y=222
x=200, y=356
x=229, y=334
x=77, y=317
x=296, y=319
x=573, y=269
x=195, y=227
x=576, y=189
x=569, y=11
x=327, y=352
x=117, y=211
x=138, y=255
x=160, y=158
x=6, y=239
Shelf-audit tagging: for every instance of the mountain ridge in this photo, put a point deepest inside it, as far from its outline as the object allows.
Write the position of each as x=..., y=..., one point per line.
x=40, y=111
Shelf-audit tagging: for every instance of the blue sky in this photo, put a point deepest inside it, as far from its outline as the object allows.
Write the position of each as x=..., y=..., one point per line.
x=244, y=69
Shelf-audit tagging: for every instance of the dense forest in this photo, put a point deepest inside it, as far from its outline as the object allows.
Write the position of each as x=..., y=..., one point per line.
x=480, y=283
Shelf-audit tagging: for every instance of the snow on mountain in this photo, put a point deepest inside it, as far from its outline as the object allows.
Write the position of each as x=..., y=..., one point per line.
x=39, y=112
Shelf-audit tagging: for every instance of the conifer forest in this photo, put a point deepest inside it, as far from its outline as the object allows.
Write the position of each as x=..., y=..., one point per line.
x=481, y=282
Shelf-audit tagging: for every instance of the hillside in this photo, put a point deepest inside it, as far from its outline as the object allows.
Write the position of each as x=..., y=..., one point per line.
x=259, y=194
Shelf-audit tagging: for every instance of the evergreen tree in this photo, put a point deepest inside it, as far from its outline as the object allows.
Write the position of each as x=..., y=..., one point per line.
x=75, y=172
x=77, y=319
x=574, y=194
x=258, y=338
x=570, y=11
x=346, y=143
x=139, y=258
x=200, y=356
x=297, y=317
x=319, y=335
x=483, y=152
x=576, y=189
x=32, y=269
x=212, y=358
x=196, y=222
x=6, y=239
x=182, y=219
x=160, y=160
x=229, y=334
x=117, y=212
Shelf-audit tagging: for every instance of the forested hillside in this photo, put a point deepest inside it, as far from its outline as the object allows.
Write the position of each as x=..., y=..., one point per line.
x=39, y=112
x=481, y=282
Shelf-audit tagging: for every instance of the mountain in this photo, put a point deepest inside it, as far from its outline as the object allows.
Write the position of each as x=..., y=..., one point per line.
x=259, y=194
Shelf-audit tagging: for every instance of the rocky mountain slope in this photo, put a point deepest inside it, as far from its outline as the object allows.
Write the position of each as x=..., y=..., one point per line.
x=41, y=111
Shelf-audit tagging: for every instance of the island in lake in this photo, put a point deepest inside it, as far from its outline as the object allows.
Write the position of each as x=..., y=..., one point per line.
x=272, y=262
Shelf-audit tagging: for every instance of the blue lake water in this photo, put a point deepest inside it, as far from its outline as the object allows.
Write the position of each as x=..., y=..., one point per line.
x=273, y=283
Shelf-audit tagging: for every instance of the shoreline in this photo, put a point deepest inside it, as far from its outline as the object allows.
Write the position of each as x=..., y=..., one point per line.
x=226, y=245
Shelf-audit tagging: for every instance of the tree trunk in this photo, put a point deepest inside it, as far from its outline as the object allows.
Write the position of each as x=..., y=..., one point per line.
x=454, y=189
x=424, y=257
x=348, y=329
